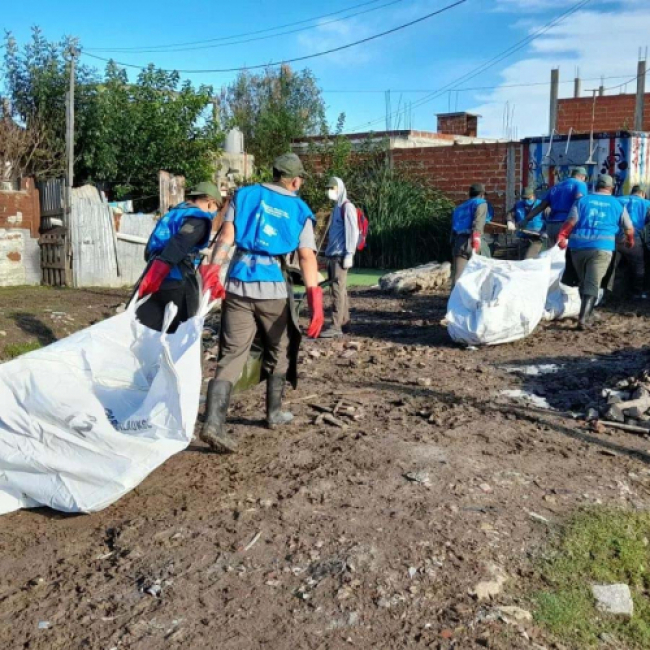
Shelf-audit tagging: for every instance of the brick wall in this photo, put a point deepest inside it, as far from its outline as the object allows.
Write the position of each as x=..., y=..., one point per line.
x=21, y=209
x=453, y=169
x=20, y=219
x=613, y=113
x=458, y=124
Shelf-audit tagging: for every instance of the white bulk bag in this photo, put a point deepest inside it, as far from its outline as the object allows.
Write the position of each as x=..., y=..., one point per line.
x=562, y=301
x=86, y=419
x=498, y=301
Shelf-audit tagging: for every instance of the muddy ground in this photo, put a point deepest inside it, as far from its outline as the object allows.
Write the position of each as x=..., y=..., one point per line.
x=321, y=537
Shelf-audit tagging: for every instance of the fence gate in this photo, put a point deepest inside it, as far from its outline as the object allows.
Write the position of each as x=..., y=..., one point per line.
x=56, y=255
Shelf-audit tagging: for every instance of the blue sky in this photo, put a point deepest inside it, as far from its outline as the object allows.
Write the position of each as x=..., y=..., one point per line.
x=601, y=39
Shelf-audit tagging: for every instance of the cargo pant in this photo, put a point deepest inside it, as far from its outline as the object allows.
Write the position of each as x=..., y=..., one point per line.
x=591, y=266
x=240, y=320
x=635, y=257
x=461, y=251
x=338, y=276
x=552, y=231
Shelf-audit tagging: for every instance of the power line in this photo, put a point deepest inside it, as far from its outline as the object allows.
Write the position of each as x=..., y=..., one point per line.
x=490, y=63
x=254, y=38
x=213, y=40
x=474, y=88
x=299, y=58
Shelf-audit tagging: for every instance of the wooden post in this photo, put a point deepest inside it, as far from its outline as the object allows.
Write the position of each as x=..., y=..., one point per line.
x=69, y=137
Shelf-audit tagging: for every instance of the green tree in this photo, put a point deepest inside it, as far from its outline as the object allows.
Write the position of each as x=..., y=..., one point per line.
x=36, y=81
x=273, y=108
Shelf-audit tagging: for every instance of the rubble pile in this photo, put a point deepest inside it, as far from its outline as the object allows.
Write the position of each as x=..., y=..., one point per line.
x=421, y=278
x=628, y=402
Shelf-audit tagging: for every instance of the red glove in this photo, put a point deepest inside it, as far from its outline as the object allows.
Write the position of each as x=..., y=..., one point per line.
x=563, y=235
x=153, y=278
x=629, y=239
x=211, y=274
x=476, y=242
x=315, y=301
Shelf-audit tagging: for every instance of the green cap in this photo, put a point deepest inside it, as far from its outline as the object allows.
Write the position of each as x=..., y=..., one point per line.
x=206, y=188
x=579, y=171
x=528, y=191
x=605, y=180
x=289, y=166
x=476, y=188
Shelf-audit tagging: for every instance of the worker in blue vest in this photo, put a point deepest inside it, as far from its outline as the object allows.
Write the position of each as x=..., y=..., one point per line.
x=638, y=207
x=590, y=233
x=266, y=222
x=560, y=199
x=173, y=256
x=531, y=246
x=467, y=226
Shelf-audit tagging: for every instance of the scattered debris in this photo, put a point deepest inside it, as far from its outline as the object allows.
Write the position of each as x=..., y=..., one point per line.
x=535, y=517
x=515, y=613
x=420, y=477
x=421, y=278
x=252, y=543
x=44, y=625
x=541, y=369
x=528, y=398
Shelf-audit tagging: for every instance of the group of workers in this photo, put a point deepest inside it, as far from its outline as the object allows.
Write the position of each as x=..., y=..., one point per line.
x=262, y=225
x=593, y=228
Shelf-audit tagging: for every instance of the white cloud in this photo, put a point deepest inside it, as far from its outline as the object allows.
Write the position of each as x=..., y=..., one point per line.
x=598, y=43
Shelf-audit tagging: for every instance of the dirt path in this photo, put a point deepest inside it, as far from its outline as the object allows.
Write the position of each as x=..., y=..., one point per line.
x=320, y=537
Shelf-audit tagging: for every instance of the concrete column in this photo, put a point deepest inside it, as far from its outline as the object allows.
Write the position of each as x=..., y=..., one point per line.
x=555, y=86
x=640, y=96
x=577, y=87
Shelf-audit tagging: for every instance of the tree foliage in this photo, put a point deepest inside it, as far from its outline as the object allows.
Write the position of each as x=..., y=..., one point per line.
x=273, y=108
x=124, y=132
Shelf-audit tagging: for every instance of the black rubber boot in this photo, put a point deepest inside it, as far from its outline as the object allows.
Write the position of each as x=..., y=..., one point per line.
x=274, y=393
x=586, y=312
x=214, y=432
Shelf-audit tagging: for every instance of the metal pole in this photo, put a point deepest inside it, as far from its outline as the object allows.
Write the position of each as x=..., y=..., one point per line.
x=69, y=136
x=555, y=85
x=640, y=96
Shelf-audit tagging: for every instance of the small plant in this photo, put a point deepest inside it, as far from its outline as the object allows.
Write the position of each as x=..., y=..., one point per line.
x=17, y=349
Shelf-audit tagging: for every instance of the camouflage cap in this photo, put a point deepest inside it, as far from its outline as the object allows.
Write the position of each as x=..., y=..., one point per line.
x=206, y=188
x=579, y=171
x=476, y=188
x=289, y=166
x=528, y=191
x=605, y=180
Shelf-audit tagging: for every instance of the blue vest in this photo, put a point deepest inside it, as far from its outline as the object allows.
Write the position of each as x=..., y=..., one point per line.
x=562, y=196
x=637, y=208
x=599, y=221
x=463, y=217
x=522, y=209
x=267, y=225
x=168, y=227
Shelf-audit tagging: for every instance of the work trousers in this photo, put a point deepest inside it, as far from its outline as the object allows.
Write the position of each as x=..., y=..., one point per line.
x=635, y=258
x=461, y=251
x=530, y=248
x=338, y=276
x=591, y=266
x=240, y=320
x=182, y=293
x=552, y=231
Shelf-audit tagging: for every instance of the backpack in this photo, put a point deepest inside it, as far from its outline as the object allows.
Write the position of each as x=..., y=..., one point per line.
x=364, y=227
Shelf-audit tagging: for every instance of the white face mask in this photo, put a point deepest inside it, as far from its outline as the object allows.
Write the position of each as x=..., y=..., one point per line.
x=332, y=195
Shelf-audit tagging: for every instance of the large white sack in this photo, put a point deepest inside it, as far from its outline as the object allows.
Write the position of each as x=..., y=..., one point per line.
x=86, y=419
x=562, y=301
x=498, y=301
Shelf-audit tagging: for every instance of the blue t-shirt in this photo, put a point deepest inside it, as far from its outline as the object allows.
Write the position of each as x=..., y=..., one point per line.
x=562, y=196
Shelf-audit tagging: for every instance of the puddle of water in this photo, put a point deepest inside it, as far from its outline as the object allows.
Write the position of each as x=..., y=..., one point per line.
x=541, y=369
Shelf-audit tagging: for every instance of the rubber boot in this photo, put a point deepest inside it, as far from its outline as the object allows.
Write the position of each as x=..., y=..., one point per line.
x=274, y=393
x=586, y=310
x=214, y=432
x=331, y=333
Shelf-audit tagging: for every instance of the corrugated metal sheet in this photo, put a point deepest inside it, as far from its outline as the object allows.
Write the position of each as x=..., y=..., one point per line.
x=94, y=261
x=130, y=255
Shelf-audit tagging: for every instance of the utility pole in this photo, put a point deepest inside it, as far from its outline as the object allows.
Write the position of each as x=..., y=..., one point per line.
x=555, y=86
x=640, y=95
x=69, y=136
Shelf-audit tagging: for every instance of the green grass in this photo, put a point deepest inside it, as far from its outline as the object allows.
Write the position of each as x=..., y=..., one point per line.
x=16, y=349
x=365, y=277
x=597, y=547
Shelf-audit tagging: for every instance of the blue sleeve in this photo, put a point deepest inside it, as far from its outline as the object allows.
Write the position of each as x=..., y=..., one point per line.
x=580, y=189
